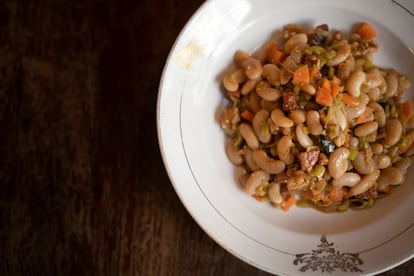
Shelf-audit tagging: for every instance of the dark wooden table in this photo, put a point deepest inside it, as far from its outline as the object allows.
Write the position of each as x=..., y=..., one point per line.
x=83, y=190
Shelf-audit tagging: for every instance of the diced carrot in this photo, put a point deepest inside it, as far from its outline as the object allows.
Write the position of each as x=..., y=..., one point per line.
x=336, y=194
x=366, y=31
x=313, y=72
x=349, y=100
x=324, y=96
x=260, y=198
x=326, y=84
x=277, y=57
x=270, y=47
x=301, y=75
x=336, y=88
x=274, y=54
x=405, y=142
x=311, y=196
x=325, y=199
x=364, y=117
x=406, y=111
x=289, y=202
x=247, y=115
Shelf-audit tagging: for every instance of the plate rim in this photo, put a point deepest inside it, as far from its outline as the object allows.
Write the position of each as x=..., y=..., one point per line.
x=168, y=165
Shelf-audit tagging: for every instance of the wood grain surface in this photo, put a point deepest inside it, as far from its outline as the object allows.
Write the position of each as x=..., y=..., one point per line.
x=83, y=190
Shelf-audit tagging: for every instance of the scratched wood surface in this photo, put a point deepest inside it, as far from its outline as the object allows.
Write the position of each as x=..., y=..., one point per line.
x=83, y=190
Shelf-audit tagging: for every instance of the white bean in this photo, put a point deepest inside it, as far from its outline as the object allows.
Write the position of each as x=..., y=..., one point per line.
x=240, y=56
x=354, y=111
x=374, y=78
x=374, y=94
x=382, y=161
x=247, y=132
x=363, y=163
x=313, y=122
x=294, y=40
x=274, y=193
x=234, y=154
x=259, y=119
x=389, y=176
x=269, y=94
x=308, y=88
x=249, y=86
x=272, y=73
x=349, y=179
x=338, y=162
x=297, y=51
x=232, y=81
x=393, y=129
x=344, y=70
x=338, y=118
x=283, y=149
x=298, y=116
x=354, y=83
x=253, y=68
x=303, y=138
x=256, y=179
x=379, y=113
x=377, y=148
x=269, y=165
x=392, y=84
x=254, y=102
x=366, y=129
x=366, y=182
x=279, y=118
x=341, y=55
x=248, y=159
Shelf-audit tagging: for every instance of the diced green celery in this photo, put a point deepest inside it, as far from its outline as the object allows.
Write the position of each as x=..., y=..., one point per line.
x=239, y=141
x=331, y=72
x=394, y=112
x=359, y=204
x=265, y=128
x=318, y=50
x=352, y=154
x=343, y=206
x=387, y=111
x=368, y=65
x=308, y=51
x=318, y=171
x=312, y=148
x=330, y=54
x=395, y=159
x=296, y=89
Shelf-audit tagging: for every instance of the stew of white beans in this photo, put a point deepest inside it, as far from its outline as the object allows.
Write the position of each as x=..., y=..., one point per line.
x=315, y=123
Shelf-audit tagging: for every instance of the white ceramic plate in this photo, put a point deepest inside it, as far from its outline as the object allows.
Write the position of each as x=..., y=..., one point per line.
x=301, y=241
